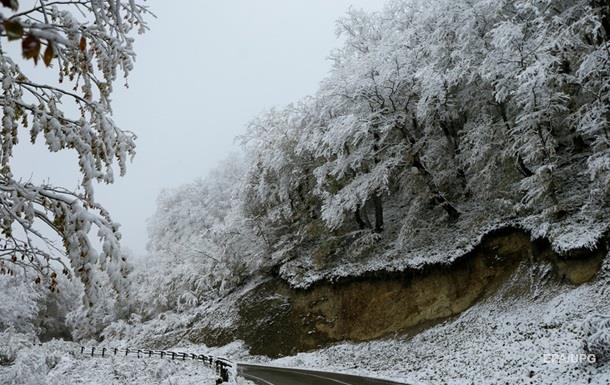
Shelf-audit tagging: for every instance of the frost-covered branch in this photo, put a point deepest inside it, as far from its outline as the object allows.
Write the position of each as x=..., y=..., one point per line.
x=88, y=44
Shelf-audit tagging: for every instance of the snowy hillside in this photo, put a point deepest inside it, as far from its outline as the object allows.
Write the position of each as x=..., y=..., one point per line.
x=537, y=337
x=436, y=211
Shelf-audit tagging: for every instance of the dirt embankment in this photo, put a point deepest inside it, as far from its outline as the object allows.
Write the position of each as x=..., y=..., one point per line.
x=276, y=320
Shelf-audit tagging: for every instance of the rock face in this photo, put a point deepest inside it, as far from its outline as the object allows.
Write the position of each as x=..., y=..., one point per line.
x=276, y=320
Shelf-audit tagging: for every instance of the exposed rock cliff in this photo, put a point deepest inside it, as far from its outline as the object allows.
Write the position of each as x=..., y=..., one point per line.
x=275, y=319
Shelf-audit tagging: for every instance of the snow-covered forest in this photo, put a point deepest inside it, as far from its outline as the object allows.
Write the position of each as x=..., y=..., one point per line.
x=439, y=122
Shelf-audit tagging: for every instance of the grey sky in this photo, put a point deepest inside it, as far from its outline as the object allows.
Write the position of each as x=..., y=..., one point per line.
x=204, y=70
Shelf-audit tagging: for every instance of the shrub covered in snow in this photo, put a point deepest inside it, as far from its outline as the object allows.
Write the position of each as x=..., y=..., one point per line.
x=19, y=303
x=597, y=337
x=23, y=361
x=30, y=307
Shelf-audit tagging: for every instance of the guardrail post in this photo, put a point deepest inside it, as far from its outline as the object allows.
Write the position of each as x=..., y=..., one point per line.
x=224, y=374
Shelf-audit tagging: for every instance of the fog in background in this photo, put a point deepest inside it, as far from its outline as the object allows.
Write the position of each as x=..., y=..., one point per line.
x=203, y=71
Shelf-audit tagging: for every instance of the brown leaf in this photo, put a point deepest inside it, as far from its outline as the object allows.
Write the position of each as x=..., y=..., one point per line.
x=53, y=275
x=49, y=54
x=12, y=4
x=30, y=48
x=13, y=29
x=82, y=44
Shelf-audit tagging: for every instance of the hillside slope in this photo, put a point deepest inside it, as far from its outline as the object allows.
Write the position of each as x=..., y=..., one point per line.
x=530, y=332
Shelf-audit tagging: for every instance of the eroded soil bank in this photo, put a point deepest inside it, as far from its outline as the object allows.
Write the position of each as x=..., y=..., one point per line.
x=276, y=320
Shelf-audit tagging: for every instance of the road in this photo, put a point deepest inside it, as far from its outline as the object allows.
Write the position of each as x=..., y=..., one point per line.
x=265, y=375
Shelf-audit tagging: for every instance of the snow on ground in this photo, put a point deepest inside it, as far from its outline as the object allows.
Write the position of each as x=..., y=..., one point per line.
x=131, y=370
x=60, y=363
x=529, y=332
x=532, y=331
x=536, y=338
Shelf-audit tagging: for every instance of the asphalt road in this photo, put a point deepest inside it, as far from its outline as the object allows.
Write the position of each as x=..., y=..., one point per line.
x=265, y=375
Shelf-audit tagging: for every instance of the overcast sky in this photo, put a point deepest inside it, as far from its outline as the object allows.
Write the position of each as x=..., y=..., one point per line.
x=202, y=72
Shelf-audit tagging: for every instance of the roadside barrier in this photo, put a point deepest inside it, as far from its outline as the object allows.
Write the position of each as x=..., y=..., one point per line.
x=223, y=367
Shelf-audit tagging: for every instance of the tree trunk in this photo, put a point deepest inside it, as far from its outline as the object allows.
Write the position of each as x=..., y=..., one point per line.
x=362, y=224
x=521, y=167
x=378, y=205
x=438, y=197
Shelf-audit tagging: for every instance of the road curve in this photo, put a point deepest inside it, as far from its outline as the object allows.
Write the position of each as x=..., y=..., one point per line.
x=268, y=375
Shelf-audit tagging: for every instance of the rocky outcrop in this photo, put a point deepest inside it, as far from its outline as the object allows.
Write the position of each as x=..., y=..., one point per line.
x=276, y=320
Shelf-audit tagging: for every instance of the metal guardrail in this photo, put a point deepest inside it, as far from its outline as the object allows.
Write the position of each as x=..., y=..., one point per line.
x=222, y=366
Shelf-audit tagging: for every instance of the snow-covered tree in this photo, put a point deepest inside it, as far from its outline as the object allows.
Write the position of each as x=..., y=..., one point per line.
x=383, y=125
x=431, y=104
x=90, y=45
x=19, y=304
x=201, y=244
x=277, y=195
